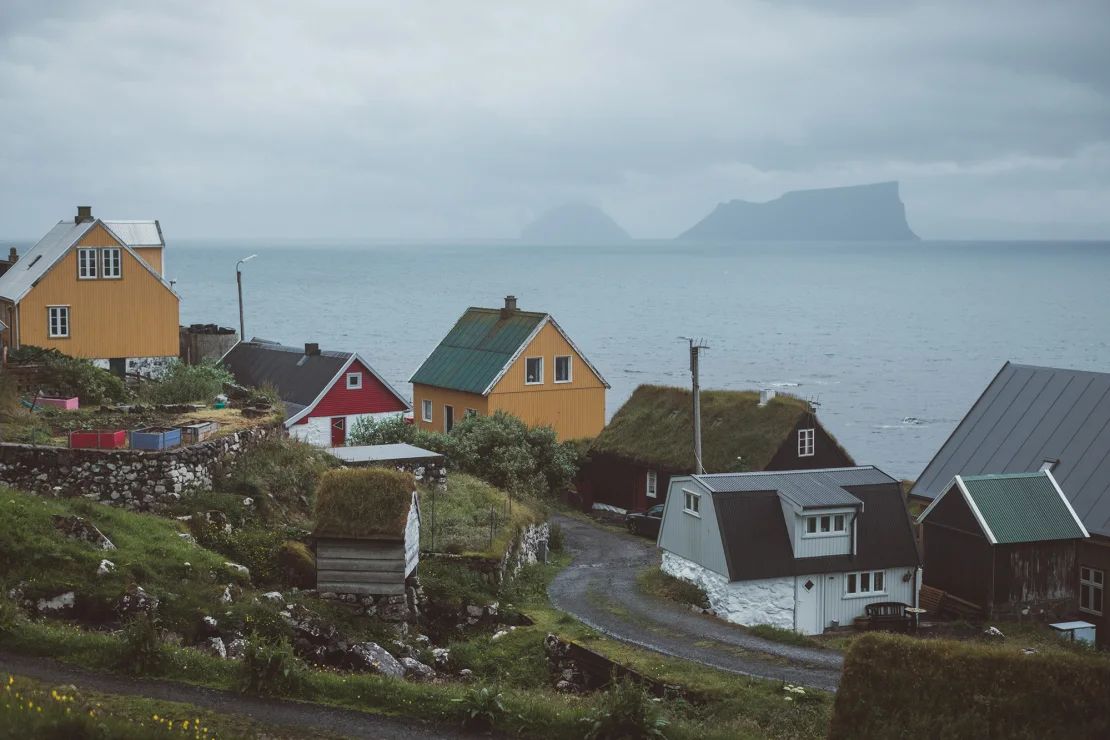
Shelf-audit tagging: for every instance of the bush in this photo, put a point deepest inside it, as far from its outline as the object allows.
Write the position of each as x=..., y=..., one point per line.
x=895, y=686
x=298, y=565
x=183, y=383
x=625, y=711
x=142, y=645
x=287, y=469
x=270, y=668
x=9, y=614
x=70, y=376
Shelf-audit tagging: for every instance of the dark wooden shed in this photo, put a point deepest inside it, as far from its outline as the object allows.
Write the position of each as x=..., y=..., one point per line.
x=1006, y=543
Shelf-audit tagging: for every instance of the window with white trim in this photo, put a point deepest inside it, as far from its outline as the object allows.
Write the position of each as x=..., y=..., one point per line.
x=470, y=413
x=533, y=371
x=691, y=502
x=652, y=484
x=426, y=410
x=86, y=264
x=110, y=259
x=805, y=442
x=57, y=321
x=562, y=369
x=354, y=381
x=865, y=582
x=1091, y=584
x=826, y=524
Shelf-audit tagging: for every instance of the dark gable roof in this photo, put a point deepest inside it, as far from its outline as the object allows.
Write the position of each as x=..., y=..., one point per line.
x=299, y=378
x=757, y=545
x=1028, y=415
x=653, y=427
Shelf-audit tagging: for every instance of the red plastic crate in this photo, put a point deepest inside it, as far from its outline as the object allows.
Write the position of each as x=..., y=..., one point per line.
x=98, y=439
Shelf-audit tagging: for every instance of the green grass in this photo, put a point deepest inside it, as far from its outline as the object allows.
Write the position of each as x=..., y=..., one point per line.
x=785, y=636
x=286, y=469
x=363, y=502
x=657, y=583
x=458, y=520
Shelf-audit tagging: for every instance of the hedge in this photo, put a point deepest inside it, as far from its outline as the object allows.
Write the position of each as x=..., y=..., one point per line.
x=896, y=686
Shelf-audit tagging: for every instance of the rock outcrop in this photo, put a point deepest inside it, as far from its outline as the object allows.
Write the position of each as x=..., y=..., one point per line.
x=574, y=223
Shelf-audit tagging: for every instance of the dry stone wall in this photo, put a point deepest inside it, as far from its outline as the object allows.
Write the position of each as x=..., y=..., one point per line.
x=133, y=479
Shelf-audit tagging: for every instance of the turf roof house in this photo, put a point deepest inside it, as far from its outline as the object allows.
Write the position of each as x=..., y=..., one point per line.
x=1034, y=418
x=324, y=392
x=802, y=550
x=520, y=362
x=649, y=440
x=1006, y=543
x=94, y=289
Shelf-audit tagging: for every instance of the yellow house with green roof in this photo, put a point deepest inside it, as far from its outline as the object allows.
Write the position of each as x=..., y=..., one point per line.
x=505, y=359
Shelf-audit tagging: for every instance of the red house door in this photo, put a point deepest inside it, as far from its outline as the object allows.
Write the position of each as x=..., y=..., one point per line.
x=338, y=431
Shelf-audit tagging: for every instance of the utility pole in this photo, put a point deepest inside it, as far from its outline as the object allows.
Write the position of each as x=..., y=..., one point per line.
x=696, y=346
x=239, y=284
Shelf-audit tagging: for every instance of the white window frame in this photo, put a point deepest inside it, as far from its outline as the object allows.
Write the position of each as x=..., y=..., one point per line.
x=817, y=521
x=1091, y=580
x=570, y=368
x=63, y=318
x=806, y=442
x=426, y=409
x=691, y=502
x=533, y=382
x=87, y=258
x=107, y=254
x=357, y=384
x=651, y=484
x=853, y=584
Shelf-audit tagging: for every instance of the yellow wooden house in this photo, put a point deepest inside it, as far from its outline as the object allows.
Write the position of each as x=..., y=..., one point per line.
x=94, y=289
x=505, y=359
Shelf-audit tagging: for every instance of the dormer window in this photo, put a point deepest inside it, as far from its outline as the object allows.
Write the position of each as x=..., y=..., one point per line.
x=805, y=442
x=826, y=524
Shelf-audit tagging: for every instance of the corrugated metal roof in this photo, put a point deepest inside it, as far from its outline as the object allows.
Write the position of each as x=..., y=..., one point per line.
x=22, y=276
x=378, y=453
x=478, y=347
x=809, y=489
x=299, y=378
x=137, y=233
x=1028, y=415
x=1022, y=507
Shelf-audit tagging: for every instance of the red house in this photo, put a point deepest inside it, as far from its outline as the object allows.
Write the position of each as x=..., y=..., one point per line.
x=324, y=393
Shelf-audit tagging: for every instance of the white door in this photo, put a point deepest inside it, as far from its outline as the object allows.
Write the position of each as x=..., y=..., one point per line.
x=807, y=604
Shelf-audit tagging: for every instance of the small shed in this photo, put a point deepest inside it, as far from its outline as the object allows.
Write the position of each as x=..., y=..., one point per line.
x=426, y=466
x=367, y=531
x=1005, y=543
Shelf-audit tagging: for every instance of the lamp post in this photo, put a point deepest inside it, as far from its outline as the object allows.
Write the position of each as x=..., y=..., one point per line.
x=239, y=284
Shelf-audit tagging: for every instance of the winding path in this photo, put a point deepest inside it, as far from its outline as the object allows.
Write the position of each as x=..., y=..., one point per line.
x=599, y=588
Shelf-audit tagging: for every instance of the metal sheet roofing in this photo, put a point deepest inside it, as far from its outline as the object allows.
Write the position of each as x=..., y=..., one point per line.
x=478, y=347
x=137, y=233
x=379, y=453
x=22, y=276
x=1028, y=415
x=299, y=378
x=809, y=489
x=1022, y=507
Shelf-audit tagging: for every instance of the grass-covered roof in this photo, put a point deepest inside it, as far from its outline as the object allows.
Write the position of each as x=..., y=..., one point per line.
x=363, y=503
x=655, y=427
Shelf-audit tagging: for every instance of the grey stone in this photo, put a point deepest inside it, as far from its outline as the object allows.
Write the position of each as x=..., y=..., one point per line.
x=214, y=646
x=105, y=567
x=416, y=670
x=60, y=603
x=236, y=648
x=372, y=657
x=274, y=596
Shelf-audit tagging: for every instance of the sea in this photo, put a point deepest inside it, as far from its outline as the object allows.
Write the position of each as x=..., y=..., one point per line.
x=894, y=341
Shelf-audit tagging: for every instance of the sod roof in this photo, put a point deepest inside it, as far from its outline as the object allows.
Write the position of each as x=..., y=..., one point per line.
x=654, y=427
x=363, y=503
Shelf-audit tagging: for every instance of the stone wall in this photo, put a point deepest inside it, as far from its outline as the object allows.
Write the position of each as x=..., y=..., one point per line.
x=529, y=548
x=430, y=470
x=761, y=601
x=131, y=478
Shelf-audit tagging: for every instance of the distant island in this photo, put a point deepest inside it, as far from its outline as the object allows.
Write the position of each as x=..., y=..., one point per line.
x=574, y=223
x=855, y=213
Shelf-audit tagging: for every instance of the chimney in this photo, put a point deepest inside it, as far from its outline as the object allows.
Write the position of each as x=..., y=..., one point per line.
x=311, y=348
x=84, y=213
x=765, y=396
x=510, y=306
x=13, y=255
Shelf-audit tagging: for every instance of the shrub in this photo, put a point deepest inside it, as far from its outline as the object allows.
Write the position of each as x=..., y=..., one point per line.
x=141, y=653
x=183, y=383
x=270, y=668
x=70, y=376
x=482, y=708
x=297, y=564
x=895, y=686
x=363, y=502
x=624, y=711
x=9, y=614
x=658, y=583
x=287, y=469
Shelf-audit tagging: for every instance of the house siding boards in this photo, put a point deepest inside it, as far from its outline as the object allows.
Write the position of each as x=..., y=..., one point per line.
x=458, y=400
x=374, y=567
x=694, y=538
x=621, y=483
x=827, y=452
x=372, y=398
x=1095, y=553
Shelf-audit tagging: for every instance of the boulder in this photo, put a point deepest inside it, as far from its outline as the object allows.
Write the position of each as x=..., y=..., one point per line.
x=274, y=596
x=213, y=646
x=236, y=648
x=105, y=567
x=441, y=657
x=416, y=670
x=135, y=600
x=373, y=658
x=61, y=603
x=242, y=570
x=79, y=528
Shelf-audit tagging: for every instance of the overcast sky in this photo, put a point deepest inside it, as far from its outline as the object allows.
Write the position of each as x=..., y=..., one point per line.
x=461, y=119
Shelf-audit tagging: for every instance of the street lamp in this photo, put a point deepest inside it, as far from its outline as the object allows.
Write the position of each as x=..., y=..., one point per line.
x=239, y=283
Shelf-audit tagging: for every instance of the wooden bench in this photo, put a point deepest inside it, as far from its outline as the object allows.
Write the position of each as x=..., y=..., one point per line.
x=888, y=615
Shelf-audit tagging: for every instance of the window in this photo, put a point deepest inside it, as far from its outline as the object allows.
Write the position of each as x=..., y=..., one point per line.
x=448, y=418
x=562, y=369
x=828, y=524
x=86, y=264
x=533, y=371
x=691, y=502
x=838, y=523
x=58, y=321
x=652, y=482
x=426, y=410
x=354, y=381
x=811, y=525
x=1091, y=584
x=867, y=582
x=469, y=413
x=111, y=260
x=805, y=443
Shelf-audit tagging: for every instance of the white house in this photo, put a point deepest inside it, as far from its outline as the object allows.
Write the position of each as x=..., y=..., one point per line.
x=325, y=393
x=803, y=550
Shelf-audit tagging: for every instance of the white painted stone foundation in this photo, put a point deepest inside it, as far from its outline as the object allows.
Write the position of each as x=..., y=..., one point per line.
x=762, y=601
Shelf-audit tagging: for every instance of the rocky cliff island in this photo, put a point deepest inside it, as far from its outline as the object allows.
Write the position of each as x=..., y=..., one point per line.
x=855, y=213
x=574, y=223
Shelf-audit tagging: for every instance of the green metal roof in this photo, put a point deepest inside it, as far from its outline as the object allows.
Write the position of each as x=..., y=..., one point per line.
x=476, y=349
x=1023, y=507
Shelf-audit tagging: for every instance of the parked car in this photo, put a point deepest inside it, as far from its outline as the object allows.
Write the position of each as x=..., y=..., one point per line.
x=645, y=523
